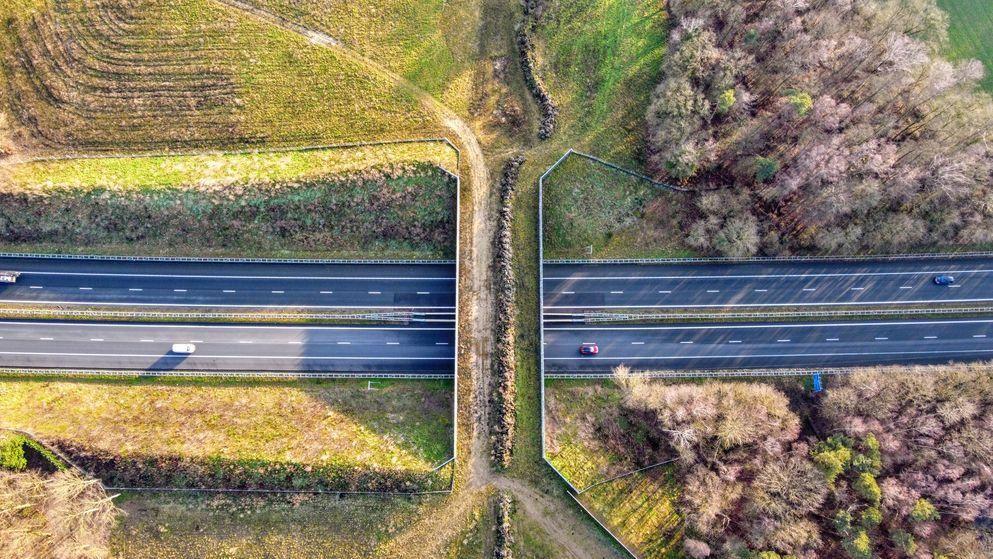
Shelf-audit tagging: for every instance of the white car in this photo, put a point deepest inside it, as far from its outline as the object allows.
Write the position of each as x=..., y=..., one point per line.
x=184, y=349
x=9, y=277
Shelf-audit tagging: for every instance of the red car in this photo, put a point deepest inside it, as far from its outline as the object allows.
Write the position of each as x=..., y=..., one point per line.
x=589, y=349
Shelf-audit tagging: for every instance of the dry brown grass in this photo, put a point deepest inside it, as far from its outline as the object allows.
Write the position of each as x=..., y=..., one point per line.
x=63, y=516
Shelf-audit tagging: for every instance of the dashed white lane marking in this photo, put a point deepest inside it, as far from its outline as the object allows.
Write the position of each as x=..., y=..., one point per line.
x=327, y=292
x=858, y=288
x=616, y=292
x=146, y=341
x=761, y=290
x=392, y=343
x=781, y=341
x=135, y=289
x=906, y=287
x=880, y=339
x=930, y=337
x=244, y=341
x=810, y=289
x=979, y=335
x=277, y=291
x=36, y=287
x=179, y=290
x=428, y=292
x=46, y=339
x=685, y=342
x=713, y=291
x=295, y=343
x=344, y=343
x=832, y=339
x=86, y=289
x=229, y=291
x=96, y=339
x=666, y=292
x=196, y=341
x=955, y=286
x=441, y=343
x=375, y=293
x=637, y=343
x=734, y=342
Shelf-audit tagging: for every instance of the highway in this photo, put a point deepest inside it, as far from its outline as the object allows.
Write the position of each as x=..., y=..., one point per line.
x=135, y=284
x=593, y=287
x=711, y=346
x=119, y=346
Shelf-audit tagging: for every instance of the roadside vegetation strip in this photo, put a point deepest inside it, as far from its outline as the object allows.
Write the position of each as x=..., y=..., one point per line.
x=648, y=318
x=504, y=392
x=258, y=317
x=343, y=436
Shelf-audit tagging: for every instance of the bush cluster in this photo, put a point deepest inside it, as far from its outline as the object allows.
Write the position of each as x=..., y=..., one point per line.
x=525, y=51
x=503, y=393
x=829, y=127
x=904, y=472
x=504, y=539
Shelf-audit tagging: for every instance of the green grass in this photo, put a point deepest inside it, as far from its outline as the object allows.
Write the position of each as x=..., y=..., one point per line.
x=619, y=215
x=970, y=33
x=429, y=42
x=336, y=425
x=641, y=509
x=187, y=73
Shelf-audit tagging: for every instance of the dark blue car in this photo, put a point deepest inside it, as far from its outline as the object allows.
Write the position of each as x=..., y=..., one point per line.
x=944, y=279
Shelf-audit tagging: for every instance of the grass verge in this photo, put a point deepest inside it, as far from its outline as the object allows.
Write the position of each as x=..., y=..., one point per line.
x=331, y=435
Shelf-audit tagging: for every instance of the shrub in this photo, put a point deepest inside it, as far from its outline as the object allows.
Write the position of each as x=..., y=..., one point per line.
x=858, y=546
x=924, y=511
x=525, y=51
x=504, y=539
x=12, y=453
x=904, y=542
x=867, y=488
x=871, y=517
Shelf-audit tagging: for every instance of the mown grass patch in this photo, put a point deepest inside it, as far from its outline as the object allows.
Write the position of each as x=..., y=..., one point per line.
x=243, y=433
x=429, y=42
x=588, y=204
x=970, y=33
x=150, y=74
x=640, y=508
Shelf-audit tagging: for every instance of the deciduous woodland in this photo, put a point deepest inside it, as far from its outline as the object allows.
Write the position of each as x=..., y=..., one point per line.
x=884, y=464
x=828, y=126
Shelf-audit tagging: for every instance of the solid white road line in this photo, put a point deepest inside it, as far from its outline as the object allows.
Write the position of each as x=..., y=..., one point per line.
x=793, y=304
x=778, y=276
x=772, y=355
x=224, y=306
x=777, y=325
x=218, y=326
x=206, y=276
x=202, y=356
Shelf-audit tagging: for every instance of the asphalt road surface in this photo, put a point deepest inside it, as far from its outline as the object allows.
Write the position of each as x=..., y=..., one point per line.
x=807, y=345
x=338, y=349
x=592, y=287
x=421, y=287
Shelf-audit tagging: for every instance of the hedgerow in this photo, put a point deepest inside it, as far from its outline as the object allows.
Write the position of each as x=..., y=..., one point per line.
x=525, y=52
x=504, y=391
x=504, y=539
